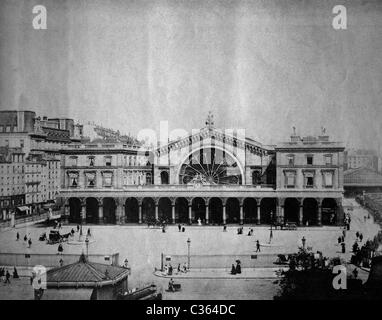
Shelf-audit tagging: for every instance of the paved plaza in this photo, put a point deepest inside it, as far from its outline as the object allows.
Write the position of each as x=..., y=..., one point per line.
x=143, y=247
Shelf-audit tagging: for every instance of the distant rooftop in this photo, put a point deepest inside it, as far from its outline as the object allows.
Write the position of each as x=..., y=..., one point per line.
x=6, y=154
x=362, y=177
x=321, y=141
x=360, y=152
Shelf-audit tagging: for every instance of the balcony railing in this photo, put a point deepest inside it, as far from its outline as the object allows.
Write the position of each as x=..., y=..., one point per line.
x=178, y=186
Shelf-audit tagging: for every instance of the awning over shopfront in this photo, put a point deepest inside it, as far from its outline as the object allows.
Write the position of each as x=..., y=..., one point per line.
x=23, y=208
x=48, y=205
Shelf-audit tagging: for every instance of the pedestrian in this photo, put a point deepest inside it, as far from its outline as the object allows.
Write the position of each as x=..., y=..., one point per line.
x=270, y=235
x=61, y=262
x=355, y=273
x=357, y=234
x=17, y=236
x=238, y=267
x=258, y=246
x=7, y=276
x=343, y=247
x=339, y=239
x=225, y=228
x=60, y=249
x=15, y=274
x=233, y=269
x=344, y=233
x=303, y=240
x=78, y=228
x=171, y=285
x=183, y=229
x=89, y=233
x=29, y=242
x=179, y=267
x=25, y=238
x=361, y=237
x=179, y=227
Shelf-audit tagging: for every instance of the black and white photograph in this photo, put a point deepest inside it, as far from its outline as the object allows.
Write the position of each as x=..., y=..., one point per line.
x=195, y=150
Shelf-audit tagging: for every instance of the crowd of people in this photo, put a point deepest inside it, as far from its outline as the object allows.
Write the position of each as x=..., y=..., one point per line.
x=363, y=254
x=5, y=275
x=57, y=226
x=236, y=269
x=347, y=221
x=169, y=270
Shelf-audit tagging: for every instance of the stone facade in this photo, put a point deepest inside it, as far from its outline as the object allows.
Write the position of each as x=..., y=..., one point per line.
x=208, y=177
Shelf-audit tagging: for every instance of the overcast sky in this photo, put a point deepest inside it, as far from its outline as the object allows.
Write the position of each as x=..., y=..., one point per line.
x=260, y=65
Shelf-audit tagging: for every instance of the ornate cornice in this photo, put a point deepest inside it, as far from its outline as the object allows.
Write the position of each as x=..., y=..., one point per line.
x=253, y=147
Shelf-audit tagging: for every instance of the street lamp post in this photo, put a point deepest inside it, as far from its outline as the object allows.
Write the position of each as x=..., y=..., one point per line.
x=87, y=246
x=189, y=245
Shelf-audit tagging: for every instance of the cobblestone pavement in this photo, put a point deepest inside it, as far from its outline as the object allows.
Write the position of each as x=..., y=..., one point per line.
x=143, y=248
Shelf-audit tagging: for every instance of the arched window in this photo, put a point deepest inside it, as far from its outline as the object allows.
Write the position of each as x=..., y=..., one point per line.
x=148, y=178
x=164, y=177
x=256, y=177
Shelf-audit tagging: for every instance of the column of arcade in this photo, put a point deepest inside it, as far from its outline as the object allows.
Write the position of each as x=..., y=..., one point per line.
x=302, y=211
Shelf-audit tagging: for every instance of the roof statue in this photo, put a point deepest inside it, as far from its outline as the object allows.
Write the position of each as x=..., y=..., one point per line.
x=210, y=120
x=294, y=130
x=323, y=130
x=37, y=125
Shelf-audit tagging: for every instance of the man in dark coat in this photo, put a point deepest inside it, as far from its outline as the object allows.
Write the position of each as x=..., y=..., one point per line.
x=257, y=246
x=7, y=277
x=233, y=269
x=238, y=267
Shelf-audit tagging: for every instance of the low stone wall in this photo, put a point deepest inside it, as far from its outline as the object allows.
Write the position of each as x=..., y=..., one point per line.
x=52, y=260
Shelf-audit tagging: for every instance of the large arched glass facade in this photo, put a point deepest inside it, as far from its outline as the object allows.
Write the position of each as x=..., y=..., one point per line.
x=210, y=166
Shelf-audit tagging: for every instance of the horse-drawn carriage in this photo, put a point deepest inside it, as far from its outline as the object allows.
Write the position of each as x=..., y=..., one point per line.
x=156, y=223
x=42, y=237
x=146, y=293
x=282, y=259
x=289, y=226
x=55, y=237
x=285, y=225
x=173, y=287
